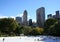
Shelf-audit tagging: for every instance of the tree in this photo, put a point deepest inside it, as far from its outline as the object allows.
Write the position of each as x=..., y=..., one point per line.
x=8, y=24
x=23, y=30
x=57, y=28
x=50, y=22
x=18, y=30
x=37, y=31
x=49, y=25
x=26, y=30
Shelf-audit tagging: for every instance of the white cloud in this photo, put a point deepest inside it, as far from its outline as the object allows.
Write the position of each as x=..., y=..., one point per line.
x=34, y=20
x=3, y=16
x=13, y=17
x=20, y=15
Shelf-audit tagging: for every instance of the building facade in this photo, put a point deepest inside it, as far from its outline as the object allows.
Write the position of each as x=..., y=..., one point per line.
x=50, y=16
x=40, y=16
x=54, y=16
x=19, y=20
x=57, y=14
x=25, y=18
x=30, y=22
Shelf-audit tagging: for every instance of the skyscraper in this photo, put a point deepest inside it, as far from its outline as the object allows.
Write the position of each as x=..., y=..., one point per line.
x=19, y=20
x=30, y=22
x=40, y=16
x=57, y=14
x=50, y=16
x=54, y=16
x=25, y=18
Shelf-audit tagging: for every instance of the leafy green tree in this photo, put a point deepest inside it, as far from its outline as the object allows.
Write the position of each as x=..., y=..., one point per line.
x=37, y=31
x=8, y=24
x=23, y=30
x=26, y=30
x=57, y=28
x=18, y=30
x=49, y=25
x=50, y=22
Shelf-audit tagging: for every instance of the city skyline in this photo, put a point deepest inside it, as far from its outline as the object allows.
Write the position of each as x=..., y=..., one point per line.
x=13, y=8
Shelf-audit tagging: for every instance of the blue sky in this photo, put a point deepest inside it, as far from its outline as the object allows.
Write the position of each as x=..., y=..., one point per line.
x=13, y=8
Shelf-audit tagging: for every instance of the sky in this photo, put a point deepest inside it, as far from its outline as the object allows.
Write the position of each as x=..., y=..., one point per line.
x=13, y=8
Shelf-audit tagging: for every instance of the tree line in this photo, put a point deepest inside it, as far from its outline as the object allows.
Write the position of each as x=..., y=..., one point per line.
x=52, y=27
x=9, y=27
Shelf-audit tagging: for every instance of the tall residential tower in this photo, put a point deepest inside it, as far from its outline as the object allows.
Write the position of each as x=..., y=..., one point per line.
x=40, y=16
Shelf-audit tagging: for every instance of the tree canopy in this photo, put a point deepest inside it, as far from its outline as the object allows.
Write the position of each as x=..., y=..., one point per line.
x=8, y=24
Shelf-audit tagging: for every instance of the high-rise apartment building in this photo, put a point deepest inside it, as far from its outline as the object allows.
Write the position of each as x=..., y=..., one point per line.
x=54, y=16
x=30, y=22
x=19, y=20
x=57, y=14
x=50, y=16
x=40, y=16
x=25, y=18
